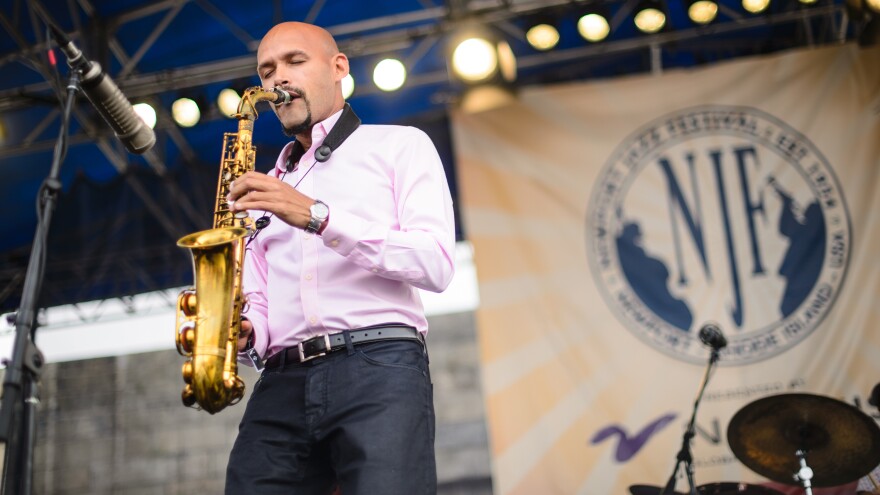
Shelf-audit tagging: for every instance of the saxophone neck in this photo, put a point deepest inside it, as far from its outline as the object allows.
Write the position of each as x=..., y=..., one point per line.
x=247, y=107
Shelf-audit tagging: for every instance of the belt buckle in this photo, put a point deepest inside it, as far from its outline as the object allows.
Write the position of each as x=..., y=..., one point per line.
x=302, y=355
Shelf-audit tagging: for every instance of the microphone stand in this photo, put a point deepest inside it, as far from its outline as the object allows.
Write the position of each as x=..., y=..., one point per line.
x=21, y=380
x=684, y=455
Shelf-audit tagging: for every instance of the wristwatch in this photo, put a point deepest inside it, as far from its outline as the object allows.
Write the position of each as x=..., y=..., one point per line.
x=320, y=212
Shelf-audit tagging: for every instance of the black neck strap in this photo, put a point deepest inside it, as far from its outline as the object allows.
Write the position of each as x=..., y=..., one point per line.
x=346, y=125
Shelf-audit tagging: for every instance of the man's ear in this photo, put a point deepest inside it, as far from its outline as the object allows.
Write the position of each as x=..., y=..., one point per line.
x=340, y=66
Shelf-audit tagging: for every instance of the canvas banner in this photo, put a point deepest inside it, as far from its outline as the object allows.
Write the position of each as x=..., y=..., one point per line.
x=612, y=221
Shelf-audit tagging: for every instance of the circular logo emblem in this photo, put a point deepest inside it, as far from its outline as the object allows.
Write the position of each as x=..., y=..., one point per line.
x=719, y=214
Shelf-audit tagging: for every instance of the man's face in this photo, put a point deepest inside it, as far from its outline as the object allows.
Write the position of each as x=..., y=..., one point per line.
x=303, y=61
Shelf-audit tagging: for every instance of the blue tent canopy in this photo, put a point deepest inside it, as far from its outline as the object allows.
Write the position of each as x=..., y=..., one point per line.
x=119, y=215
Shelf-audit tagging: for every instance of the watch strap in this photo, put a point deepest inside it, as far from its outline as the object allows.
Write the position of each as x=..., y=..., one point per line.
x=313, y=225
x=315, y=221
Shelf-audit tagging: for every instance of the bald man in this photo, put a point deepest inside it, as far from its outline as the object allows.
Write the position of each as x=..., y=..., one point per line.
x=355, y=218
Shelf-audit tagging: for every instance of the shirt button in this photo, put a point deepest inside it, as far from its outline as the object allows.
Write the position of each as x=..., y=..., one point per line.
x=308, y=276
x=334, y=242
x=313, y=319
x=307, y=236
x=375, y=270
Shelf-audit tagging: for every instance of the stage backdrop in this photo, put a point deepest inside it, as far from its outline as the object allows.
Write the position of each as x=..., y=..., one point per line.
x=612, y=220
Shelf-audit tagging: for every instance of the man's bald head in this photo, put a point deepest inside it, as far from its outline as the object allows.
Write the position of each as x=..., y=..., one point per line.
x=316, y=36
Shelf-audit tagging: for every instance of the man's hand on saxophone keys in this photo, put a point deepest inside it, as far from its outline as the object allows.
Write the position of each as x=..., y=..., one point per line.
x=244, y=335
x=258, y=191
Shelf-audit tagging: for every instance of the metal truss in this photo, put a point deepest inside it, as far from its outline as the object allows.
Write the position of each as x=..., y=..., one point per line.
x=384, y=34
x=417, y=32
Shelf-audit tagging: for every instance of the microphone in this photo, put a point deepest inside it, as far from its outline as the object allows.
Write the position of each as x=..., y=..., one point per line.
x=107, y=99
x=710, y=334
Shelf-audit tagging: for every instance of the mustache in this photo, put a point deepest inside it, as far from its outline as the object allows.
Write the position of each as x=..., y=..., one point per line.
x=294, y=92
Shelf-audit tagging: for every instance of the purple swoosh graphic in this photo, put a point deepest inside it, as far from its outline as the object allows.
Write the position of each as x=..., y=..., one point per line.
x=628, y=447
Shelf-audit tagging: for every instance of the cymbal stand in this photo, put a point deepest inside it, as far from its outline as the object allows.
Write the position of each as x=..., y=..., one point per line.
x=684, y=455
x=805, y=473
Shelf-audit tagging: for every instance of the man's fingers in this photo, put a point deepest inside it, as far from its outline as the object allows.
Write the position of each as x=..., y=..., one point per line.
x=250, y=181
x=246, y=328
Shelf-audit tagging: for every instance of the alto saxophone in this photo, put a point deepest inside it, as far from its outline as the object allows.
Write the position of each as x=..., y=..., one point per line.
x=209, y=314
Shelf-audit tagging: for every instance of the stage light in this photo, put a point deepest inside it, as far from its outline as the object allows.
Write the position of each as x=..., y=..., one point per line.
x=755, y=6
x=650, y=17
x=389, y=74
x=702, y=11
x=347, y=86
x=542, y=36
x=808, y=2
x=593, y=27
x=482, y=62
x=227, y=101
x=479, y=56
x=506, y=61
x=185, y=112
x=873, y=5
x=147, y=113
x=474, y=59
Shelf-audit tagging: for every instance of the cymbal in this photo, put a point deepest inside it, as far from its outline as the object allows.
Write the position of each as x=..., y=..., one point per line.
x=649, y=490
x=842, y=443
x=730, y=488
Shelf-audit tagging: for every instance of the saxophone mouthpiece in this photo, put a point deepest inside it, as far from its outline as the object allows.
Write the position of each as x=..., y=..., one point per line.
x=284, y=97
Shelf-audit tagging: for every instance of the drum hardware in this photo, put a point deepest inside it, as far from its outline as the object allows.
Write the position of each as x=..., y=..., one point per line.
x=649, y=490
x=805, y=473
x=726, y=488
x=774, y=436
x=730, y=488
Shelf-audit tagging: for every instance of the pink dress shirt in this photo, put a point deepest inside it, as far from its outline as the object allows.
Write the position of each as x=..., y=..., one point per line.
x=391, y=230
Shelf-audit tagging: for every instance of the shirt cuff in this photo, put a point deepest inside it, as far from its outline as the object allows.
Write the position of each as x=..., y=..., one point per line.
x=344, y=232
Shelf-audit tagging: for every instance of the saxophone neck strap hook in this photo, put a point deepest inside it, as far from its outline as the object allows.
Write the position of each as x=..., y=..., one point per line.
x=345, y=126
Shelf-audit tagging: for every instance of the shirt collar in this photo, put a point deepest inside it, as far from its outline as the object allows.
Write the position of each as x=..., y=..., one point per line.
x=319, y=133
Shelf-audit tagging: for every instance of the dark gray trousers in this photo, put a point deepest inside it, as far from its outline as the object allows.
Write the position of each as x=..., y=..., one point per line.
x=362, y=418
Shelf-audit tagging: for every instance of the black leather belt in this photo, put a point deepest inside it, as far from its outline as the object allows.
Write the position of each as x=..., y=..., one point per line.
x=325, y=344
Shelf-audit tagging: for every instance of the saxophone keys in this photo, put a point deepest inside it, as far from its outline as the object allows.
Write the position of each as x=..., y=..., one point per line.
x=186, y=338
x=186, y=302
x=188, y=397
x=187, y=371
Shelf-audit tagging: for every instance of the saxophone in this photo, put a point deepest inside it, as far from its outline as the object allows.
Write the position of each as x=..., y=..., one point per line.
x=209, y=314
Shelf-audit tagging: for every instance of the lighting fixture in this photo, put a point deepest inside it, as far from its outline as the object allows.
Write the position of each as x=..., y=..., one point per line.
x=542, y=36
x=702, y=11
x=755, y=6
x=227, y=101
x=347, y=86
x=147, y=113
x=593, y=27
x=649, y=17
x=474, y=59
x=185, y=112
x=389, y=74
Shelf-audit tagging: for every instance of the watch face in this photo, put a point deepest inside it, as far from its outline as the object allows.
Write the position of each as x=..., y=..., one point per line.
x=320, y=210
